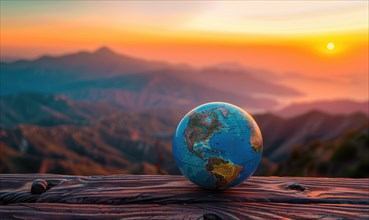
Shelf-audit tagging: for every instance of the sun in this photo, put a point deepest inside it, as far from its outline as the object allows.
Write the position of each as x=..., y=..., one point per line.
x=330, y=46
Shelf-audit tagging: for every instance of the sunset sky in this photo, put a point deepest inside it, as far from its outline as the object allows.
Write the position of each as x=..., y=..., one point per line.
x=288, y=38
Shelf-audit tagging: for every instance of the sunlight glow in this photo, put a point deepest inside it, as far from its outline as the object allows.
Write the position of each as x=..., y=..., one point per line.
x=330, y=46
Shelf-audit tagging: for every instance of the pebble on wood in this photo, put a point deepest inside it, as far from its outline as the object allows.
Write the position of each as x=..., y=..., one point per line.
x=39, y=186
x=210, y=216
x=296, y=186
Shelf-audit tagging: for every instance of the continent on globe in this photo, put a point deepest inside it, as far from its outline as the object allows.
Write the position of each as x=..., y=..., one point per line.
x=199, y=129
x=217, y=145
x=224, y=171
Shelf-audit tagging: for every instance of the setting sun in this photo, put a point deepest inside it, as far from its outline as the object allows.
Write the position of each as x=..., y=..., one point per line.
x=330, y=46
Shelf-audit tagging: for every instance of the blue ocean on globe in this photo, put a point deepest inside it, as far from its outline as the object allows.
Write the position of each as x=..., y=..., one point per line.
x=217, y=145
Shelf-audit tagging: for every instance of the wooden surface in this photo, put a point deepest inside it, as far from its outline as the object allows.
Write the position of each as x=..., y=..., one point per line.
x=173, y=197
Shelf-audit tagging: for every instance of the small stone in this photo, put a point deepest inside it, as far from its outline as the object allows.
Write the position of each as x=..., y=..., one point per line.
x=296, y=186
x=39, y=186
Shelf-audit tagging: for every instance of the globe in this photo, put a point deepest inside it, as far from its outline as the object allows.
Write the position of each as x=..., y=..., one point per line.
x=217, y=145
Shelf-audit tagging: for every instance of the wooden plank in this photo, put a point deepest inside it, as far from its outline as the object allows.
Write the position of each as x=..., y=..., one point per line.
x=134, y=189
x=231, y=210
x=173, y=197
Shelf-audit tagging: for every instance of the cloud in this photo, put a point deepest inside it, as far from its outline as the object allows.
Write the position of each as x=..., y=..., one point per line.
x=281, y=17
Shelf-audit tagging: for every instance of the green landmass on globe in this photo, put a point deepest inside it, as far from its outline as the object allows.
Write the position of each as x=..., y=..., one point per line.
x=217, y=145
x=224, y=171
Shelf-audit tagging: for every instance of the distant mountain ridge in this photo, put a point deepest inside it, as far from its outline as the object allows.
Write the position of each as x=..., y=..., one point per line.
x=47, y=73
x=48, y=110
x=73, y=74
x=339, y=106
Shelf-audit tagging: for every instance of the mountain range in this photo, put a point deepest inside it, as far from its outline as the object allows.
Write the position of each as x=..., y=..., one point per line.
x=339, y=106
x=105, y=76
x=101, y=113
x=110, y=141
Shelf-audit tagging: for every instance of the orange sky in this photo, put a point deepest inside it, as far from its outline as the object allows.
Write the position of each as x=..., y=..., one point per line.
x=285, y=37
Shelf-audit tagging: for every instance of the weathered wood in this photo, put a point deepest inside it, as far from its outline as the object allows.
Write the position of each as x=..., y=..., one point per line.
x=232, y=210
x=158, y=197
x=126, y=189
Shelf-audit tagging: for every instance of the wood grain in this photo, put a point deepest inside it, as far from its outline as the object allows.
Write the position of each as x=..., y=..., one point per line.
x=161, y=197
x=232, y=210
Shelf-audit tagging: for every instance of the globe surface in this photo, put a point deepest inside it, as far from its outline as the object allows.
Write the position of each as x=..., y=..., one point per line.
x=217, y=145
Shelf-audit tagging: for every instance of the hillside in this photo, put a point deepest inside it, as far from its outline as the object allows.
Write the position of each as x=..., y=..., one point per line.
x=47, y=110
x=127, y=143
x=282, y=134
x=346, y=156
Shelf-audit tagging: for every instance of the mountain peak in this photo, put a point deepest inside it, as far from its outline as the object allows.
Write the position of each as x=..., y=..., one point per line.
x=104, y=50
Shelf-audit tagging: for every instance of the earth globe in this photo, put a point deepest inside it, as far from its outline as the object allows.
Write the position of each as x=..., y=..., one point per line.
x=217, y=145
